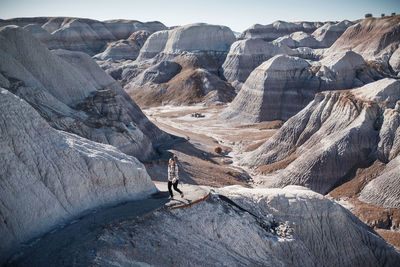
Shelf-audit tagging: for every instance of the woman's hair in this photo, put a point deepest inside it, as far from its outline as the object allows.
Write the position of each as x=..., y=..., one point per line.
x=171, y=161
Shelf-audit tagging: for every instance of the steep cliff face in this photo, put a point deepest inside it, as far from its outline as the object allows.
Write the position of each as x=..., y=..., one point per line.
x=309, y=228
x=335, y=134
x=73, y=94
x=283, y=85
x=49, y=176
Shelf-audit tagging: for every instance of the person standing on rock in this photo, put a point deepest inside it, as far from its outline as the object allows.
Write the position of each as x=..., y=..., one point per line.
x=173, y=177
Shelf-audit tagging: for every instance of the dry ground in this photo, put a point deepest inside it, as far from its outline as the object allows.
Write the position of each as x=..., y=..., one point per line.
x=201, y=165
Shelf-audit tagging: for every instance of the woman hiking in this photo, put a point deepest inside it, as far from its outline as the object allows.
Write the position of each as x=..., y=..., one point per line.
x=173, y=178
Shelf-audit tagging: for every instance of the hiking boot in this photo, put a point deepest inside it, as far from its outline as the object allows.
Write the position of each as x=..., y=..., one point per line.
x=171, y=197
x=182, y=195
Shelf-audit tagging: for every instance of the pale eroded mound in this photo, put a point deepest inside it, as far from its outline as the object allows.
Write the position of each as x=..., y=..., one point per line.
x=50, y=176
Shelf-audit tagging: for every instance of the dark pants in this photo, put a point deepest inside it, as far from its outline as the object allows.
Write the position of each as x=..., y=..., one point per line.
x=175, y=188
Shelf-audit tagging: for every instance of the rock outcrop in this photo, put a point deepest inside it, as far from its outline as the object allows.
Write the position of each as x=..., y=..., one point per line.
x=278, y=29
x=283, y=85
x=327, y=34
x=245, y=55
x=169, y=83
x=204, y=39
x=394, y=61
x=49, y=176
x=234, y=228
x=298, y=39
x=373, y=38
x=78, y=34
x=124, y=49
x=335, y=134
x=73, y=94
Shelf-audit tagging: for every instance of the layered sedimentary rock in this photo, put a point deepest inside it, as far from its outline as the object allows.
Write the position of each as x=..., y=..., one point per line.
x=73, y=94
x=373, y=38
x=124, y=49
x=245, y=55
x=178, y=66
x=86, y=35
x=299, y=39
x=283, y=85
x=395, y=61
x=327, y=34
x=335, y=134
x=278, y=29
x=169, y=83
x=49, y=176
x=204, y=39
x=308, y=227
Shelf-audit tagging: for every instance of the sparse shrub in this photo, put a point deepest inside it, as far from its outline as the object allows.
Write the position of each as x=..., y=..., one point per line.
x=218, y=150
x=382, y=15
x=393, y=14
x=368, y=15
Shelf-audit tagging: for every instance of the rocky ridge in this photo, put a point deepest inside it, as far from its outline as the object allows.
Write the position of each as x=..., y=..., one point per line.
x=73, y=94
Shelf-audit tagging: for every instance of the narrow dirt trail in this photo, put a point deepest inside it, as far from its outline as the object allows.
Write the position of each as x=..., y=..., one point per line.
x=73, y=244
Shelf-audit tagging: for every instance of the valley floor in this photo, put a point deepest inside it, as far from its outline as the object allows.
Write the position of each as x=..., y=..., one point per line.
x=202, y=165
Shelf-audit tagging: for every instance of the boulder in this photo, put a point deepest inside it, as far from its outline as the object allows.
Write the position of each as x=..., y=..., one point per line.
x=49, y=177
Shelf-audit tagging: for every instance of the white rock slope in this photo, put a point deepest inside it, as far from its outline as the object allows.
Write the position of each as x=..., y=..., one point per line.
x=283, y=85
x=216, y=232
x=335, y=134
x=48, y=176
x=73, y=93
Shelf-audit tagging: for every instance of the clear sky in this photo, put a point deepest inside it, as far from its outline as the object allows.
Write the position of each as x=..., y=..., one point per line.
x=237, y=14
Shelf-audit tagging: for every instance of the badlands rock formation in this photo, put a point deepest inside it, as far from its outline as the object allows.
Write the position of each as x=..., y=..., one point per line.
x=168, y=83
x=245, y=55
x=49, y=176
x=178, y=66
x=200, y=38
x=328, y=33
x=278, y=29
x=86, y=35
x=298, y=39
x=336, y=133
x=309, y=226
x=283, y=85
x=73, y=94
x=125, y=49
x=373, y=38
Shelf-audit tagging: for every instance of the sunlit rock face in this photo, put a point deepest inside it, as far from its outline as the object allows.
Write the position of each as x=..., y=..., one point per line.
x=50, y=176
x=74, y=94
x=283, y=85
